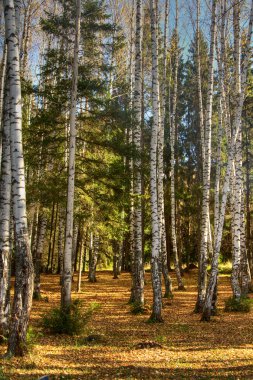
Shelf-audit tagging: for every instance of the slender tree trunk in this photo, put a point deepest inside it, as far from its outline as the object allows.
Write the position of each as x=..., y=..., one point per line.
x=245, y=269
x=74, y=245
x=5, y=214
x=205, y=219
x=172, y=163
x=237, y=182
x=93, y=257
x=23, y=289
x=81, y=263
x=2, y=84
x=248, y=214
x=61, y=243
x=54, y=239
x=67, y=272
x=160, y=146
x=42, y=227
x=155, y=252
x=26, y=36
x=131, y=167
x=138, y=267
x=50, y=239
x=115, y=247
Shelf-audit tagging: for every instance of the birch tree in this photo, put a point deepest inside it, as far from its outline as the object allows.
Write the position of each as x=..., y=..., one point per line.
x=205, y=220
x=67, y=267
x=172, y=160
x=160, y=159
x=237, y=162
x=5, y=212
x=207, y=310
x=2, y=83
x=155, y=248
x=23, y=288
x=138, y=269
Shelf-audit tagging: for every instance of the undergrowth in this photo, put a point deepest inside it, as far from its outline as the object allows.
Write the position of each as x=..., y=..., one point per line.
x=242, y=304
x=71, y=320
x=137, y=308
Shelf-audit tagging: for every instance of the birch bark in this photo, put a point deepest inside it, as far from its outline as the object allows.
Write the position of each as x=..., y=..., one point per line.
x=205, y=219
x=237, y=180
x=172, y=162
x=67, y=271
x=155, y=252
x=23, y=288
x=138, y=268
x=5, y=212
x=160, y=161
x=237, y=118
x=2, y=83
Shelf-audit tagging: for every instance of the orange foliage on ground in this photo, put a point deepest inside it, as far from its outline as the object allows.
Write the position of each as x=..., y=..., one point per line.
x=185, y=347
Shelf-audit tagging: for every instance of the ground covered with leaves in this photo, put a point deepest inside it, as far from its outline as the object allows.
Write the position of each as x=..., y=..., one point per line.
x=118, y=345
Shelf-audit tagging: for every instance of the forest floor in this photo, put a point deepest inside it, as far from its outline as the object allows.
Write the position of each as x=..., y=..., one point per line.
x=180, y=348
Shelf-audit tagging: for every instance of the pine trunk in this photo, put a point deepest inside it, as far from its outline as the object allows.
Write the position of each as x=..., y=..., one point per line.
x=42, y=226
x=93, y=257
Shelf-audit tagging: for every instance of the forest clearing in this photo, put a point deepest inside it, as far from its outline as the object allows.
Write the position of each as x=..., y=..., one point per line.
x=126, y=143
x=186, y=348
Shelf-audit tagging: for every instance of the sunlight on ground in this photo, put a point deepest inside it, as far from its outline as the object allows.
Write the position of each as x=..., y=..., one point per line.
x=187, y=348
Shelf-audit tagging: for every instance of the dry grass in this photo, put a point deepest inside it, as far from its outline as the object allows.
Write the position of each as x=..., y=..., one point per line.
x=187, y=349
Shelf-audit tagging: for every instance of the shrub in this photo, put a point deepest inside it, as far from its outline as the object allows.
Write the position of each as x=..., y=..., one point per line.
x=32, y=338
x=137, y=308
x=242, y=304
x=2, y=375
x=71, y=320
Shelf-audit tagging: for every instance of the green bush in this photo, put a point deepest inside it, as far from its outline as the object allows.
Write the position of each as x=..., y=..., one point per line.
x=137, y=308
x=2, y=375
x=242, y=304
x=71, y=320
x=32, y=338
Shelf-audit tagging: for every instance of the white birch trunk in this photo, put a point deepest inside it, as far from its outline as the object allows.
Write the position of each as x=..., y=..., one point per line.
x=23, y=289
x=26, y=37
x=155, y=253
x=214, y=269
x=244, y=264
x=160, y=162
x=131, y=167
x=205, y=219
x=2, y=83
x=5, y=213
x=172, y=163
x=237, y=180
x=138, y=268
x=67, y=272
